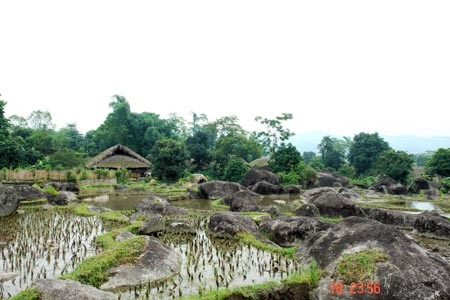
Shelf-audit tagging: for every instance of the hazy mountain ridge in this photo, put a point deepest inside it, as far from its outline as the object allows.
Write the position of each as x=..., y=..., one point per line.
x=409, y=143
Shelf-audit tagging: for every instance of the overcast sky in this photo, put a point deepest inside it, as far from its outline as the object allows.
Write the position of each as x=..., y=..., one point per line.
x=337, y=66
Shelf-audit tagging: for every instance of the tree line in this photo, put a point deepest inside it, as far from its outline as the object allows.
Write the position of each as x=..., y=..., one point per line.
x=221, y=148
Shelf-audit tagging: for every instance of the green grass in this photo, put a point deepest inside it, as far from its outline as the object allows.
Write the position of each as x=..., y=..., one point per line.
x=250, y=239
x=94, y=270
x=28, y=294
x=310, y=277
x=217, y=204
x=359, y=266
x=34, y=202
x=331, y=220
x=50, y=190
x=111, y=216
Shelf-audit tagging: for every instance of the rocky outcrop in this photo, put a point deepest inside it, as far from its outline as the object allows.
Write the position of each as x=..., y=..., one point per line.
x=153, y=224
x=158, y=262
x=350, y=194
x=27, y=192
x=64, y=198
x=409, y=272
x=287, y=231
x=431, y=193
x=391, y=217
x=9, y=201
x=326, y=179
x=432, y=222
x=417, y=185
x=307, y=210
x=230, y=223
x=265, y=188
x=388, y=186
x=56, y=289
x=198, y=178
x=332, y=204
x=179, y=226
x=254, y=176
x=125, y=235
x=397, y=189
x=245, y=195
x=64, y=186
x=292, y=189
x=157, y=205
x=244, y=204
x=219, y=189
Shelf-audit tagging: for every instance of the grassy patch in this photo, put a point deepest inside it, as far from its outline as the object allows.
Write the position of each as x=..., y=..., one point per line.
x=310, y=277
x=250, y=239
x=359, y=266
x=217, y=204
x=111, y=216
x=50, y=190
x=28, y=294
x=34, y=202
x=331, y=220
x=94, y=270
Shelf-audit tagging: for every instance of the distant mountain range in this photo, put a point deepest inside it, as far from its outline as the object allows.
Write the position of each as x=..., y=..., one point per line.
x=409, y=143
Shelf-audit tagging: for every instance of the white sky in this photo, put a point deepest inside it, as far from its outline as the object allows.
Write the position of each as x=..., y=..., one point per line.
x=338, y=66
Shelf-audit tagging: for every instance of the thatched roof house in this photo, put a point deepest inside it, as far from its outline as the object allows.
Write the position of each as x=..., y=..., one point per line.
x=118, y=157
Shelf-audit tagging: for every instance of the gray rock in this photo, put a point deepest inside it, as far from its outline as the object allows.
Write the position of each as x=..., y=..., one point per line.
x=397, y=189
x=246, y=195
x=27, y=192
x=432, y=193
x=98, y=209
x=327, y=179
x=153, y=224
x=64, y=198
x=332, y=204
x=418, y=185
x=288, y=231
x=265, y=188
x=388, y=185
x=243, y=201
x=432, y=222
x=292, y=189
x=410, y=272
x=254, y=176
x=124, y=236
x=157, y=205
x=198, y=178
x=180, y=227
x=64, y=186
x=307, y=210
x=312, y=194
x=57, y=289
x=219, y=189
x=158, y=263
x=9, y=201
x=8, y=276
x=350, y=194
x=231, y=223
x=391, y=217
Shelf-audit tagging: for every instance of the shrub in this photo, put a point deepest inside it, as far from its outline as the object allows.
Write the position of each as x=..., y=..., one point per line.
x=235, y=170
x=71, y=177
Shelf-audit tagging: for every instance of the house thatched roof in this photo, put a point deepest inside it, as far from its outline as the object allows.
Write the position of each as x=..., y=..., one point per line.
x=118, y=157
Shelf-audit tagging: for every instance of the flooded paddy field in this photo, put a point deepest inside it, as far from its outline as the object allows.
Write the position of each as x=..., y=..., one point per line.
x=44, y=244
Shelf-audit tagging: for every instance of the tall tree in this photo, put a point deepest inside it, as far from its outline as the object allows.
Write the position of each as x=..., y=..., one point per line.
x=333, y=152
x=439, y=164
x=364, y=151
x=169, y=159
x=395, y=164
x=274, y=132
x=285, y=159
x=41, y=120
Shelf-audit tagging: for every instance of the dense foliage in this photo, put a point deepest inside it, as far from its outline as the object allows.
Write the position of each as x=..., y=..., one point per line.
x=169, y=159
x=395, y=164
x=439, y=163
x=285, y=158
x=364, y=151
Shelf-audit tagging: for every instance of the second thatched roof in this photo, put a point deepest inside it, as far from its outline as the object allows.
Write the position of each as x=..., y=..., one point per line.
x=117, y=157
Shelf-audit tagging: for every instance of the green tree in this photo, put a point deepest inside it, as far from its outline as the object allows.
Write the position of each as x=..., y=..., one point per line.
x=66, y=158
x=285, y=158
x=169, y=159
x=308, y=156
x=200, y=145
x=4, y=122
x=364, y=151
x=235, y=170
x=395, y=164
x=422, y=159
x=333, y=153
x=69, y=137
x=274, y=132
x=41, y=120
x=439, y=164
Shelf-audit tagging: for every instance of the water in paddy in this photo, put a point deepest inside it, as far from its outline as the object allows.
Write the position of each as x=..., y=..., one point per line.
x=422, y=205
x=116, y=201
x=44, y=244
x=211, y=263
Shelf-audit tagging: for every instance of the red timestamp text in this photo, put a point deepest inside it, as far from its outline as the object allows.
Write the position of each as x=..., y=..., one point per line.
x=362, y=287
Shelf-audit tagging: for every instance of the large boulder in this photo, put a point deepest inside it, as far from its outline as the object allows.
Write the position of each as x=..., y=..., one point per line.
x=27, y=192
x=244, y=204
x=219, y=189
x=158, y=263
x=64, y=186
x=312, y=194
x=157, y=205
x=9, y=201
x=432, y=222
x=254, y=176
x=265, y=188
x=350, y=194
x=230, y=223
x=64, y=198
x=246, y=195
x=307, y=210
x=333, y=204
x=287, y=231
x=198, y=178
x=292, y=189
x=431, y=193
x=397, y=189
x=406, y=272
x=56, y=289
x=391, y=217
x=327, y=179
x=153, y=224
x=381, y=186
x=418, y=184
